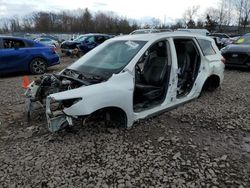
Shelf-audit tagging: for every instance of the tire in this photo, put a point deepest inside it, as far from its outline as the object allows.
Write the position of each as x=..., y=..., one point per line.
x=38, y=66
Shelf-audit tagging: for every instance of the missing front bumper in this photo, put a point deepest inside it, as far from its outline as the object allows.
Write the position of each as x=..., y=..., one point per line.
x=57, y=120
x=57, y=123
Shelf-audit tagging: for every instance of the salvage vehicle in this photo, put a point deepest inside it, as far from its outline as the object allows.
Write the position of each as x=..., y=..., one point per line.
x=129, y=78
x=238, y=54
x=84, y=43
x=19, y=55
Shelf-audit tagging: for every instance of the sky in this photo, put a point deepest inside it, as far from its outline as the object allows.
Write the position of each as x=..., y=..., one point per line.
x=168, y=10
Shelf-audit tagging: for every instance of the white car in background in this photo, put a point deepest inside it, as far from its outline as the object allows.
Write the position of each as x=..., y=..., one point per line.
x=147, y=31
x=129, y=78
x=203, y=32
x=47, y=42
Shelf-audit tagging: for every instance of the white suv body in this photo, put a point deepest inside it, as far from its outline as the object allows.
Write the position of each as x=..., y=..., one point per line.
x=145, y=75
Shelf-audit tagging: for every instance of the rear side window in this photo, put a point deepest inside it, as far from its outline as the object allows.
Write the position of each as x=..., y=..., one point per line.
x=206, y=47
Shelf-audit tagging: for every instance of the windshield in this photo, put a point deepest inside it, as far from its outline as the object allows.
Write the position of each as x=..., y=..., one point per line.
x=80, y=39
x=244, y=39
x=108, y=59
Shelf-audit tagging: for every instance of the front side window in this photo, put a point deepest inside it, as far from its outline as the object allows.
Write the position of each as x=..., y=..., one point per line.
x=206, y=47
x=13, y=43
x=109, y=59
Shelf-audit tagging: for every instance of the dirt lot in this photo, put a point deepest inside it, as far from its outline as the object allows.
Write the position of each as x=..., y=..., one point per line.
x=205, y=143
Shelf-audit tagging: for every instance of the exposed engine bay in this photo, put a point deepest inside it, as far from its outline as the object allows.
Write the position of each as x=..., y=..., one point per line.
x=39, y=90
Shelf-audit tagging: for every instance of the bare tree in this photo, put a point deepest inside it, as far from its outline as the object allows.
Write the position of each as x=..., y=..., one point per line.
x=239, y=9
x=15, y=24
x=189, y=15
x=243, y=11
x=210, y=23
x=5, y=27
x=221, y=15
x=80, y=21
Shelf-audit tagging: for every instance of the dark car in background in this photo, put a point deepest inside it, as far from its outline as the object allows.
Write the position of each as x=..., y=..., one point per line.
x=19, y=54
x=238, y=54
x=84, y=43
x=221, y=39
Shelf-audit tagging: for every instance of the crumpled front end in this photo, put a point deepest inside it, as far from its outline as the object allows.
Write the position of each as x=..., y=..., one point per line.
x=38, y=99
x=56, y=118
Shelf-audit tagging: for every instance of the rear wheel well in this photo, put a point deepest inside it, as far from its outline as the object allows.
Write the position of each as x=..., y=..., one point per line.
x=212, y=83
x=113, y=116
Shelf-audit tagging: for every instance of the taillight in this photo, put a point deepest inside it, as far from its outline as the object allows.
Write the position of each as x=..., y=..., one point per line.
x=223, y=60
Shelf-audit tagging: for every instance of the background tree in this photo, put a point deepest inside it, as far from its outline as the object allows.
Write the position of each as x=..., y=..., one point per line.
x=189, y=15
x=210, y=24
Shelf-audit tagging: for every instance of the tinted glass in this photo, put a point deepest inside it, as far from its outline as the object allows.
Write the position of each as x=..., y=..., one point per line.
x=12, y=43
x=90, y=39
x=100, y=39
x=206, y=47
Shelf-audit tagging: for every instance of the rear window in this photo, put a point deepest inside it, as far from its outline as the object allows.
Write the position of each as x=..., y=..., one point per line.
x=206, y=47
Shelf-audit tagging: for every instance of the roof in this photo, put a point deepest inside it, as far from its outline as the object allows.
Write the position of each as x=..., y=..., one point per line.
x=12, y=37
x=158, y=36
x=92, y=34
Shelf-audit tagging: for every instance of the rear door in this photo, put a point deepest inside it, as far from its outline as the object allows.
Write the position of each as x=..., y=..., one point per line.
x=15, y=55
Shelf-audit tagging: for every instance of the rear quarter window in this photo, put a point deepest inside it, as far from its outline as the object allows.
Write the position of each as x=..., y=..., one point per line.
x=206, y=47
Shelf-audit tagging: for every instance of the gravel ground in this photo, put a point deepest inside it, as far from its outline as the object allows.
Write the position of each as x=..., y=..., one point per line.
x=205, y=143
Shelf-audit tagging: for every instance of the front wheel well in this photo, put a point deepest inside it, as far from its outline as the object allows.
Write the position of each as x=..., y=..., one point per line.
x=211, y=83
x=114, y=116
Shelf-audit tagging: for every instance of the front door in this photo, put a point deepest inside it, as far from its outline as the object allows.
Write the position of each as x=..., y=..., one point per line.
x=13, y=55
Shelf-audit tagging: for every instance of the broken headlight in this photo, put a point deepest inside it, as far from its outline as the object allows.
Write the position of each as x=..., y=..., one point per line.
x=55, y=107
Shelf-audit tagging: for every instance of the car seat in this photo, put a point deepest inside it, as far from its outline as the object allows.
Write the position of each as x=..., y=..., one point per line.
x=184, y=61
x=153, y=75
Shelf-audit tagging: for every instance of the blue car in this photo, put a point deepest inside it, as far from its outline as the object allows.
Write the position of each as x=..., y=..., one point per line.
x=19, y=55
x=84, y=43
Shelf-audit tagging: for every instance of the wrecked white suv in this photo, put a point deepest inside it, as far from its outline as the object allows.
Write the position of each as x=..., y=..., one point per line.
x=129, y=78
